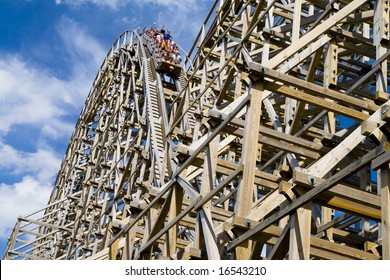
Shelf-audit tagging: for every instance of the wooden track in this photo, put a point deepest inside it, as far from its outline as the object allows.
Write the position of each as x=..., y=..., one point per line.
x=271, y=144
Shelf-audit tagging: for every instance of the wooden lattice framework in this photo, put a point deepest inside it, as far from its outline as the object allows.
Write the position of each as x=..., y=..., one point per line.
x=271, y=143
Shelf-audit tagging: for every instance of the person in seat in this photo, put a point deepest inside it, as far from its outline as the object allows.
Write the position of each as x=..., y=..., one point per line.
x=167, y=36
x=176, y=58
x=167, y=56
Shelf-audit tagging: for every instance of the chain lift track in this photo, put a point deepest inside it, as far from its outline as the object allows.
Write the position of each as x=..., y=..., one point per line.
x=270, y=143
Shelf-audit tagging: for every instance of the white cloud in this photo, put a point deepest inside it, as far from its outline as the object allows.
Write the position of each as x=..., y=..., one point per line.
x=30, y=96
x=86, y=53
x=188, y=6
x=42, y=165
x=14, y=198
x=57, y=129
x=38, y=170
x=183, y=18
x=113, y=4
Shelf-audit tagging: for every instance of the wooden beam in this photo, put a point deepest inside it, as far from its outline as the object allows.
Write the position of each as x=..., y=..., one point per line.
x=308, y=98
x=280, y=249
x=300, y=223
x=319, y=248
x=302, y=200
x=340, y=196
x=314, y=33
x=384, y=188
x=313, y=89
x=246, y=185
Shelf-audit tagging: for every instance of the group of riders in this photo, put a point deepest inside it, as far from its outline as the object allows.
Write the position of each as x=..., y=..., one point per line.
x=166, y=49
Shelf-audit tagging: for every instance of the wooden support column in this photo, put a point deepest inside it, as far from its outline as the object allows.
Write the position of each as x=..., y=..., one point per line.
x=245, y=192
x=291, y=104
x=129, y=246
x=364, y=185
x=296, y=20
x=327, y=217
x=381, y=36
x=114, y=250
x=330, y=81
x=381, y=164
x=205, y=217
x=175, y=208
x=384, y=189
x=300, y=233
x=268, y=24
x=302, y=105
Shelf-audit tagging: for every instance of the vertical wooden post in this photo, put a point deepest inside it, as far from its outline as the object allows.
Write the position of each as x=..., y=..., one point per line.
x=175, y=208
x=330, y=81
x=114, y=250
x=381, y=35
x=300, y=234
x=296, y=20
x=299, y=246
x=364, y=185
x=267, y=41
x=384, y=185
x=245, y=191
x=209, y=173
x=292, y=104
x=327, y=215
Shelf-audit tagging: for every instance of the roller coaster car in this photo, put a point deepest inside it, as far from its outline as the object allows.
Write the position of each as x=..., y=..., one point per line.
x=161, y=66
x=168, y=68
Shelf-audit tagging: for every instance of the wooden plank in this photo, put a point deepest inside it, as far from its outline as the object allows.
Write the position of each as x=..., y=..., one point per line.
x=246, y=184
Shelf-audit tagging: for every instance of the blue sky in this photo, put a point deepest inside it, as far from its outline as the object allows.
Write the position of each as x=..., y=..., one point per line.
x=50, y=52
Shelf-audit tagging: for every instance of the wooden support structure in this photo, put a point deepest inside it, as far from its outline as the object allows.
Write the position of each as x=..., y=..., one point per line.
x=263, y=145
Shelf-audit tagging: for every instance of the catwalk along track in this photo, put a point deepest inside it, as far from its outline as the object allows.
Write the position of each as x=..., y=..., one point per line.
x=269, y=142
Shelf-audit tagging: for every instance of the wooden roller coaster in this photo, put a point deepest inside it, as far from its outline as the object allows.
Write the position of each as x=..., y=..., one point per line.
x=271, y=142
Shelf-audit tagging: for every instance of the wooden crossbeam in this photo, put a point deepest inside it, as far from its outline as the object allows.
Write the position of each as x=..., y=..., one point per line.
x=302, y=200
